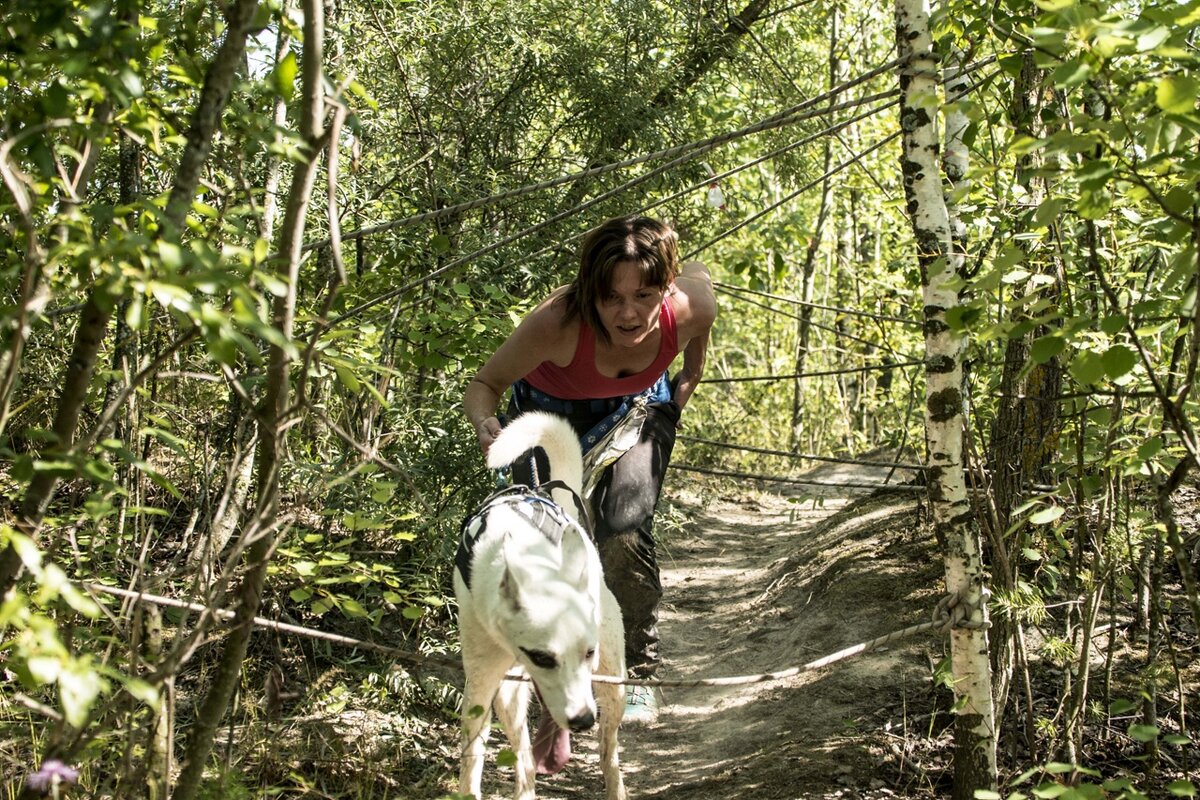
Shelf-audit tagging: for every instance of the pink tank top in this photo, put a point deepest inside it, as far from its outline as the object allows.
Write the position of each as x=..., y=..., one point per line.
x=580, y=380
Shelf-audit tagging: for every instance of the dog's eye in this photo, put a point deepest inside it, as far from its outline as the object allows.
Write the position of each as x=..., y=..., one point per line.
x=540, y=658
x=591, y=653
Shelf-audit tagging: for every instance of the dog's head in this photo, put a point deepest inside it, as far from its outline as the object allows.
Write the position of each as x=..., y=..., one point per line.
x=550, y=612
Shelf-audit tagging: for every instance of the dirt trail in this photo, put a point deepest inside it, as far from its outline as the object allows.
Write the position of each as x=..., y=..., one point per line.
x=760, y=582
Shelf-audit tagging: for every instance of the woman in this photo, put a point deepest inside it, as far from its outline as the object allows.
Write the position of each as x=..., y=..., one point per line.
x=586, y=352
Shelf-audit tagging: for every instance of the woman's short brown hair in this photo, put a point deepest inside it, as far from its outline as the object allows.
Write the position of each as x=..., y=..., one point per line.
x=650, y=245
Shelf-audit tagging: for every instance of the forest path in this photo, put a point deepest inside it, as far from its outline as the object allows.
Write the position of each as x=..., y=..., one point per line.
x=763, y=581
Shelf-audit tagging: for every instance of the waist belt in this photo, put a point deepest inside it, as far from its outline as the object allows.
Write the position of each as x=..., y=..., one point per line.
x=613, y=409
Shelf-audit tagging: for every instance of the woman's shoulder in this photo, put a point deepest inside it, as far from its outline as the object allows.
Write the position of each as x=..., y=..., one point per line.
x=548, y=329
x=695, y=304
x=550, y=316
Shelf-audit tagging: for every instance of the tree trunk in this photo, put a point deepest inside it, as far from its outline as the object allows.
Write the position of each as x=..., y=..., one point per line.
x=260, y=533
x=1025, y=430
x=837, y=69
x=975, y=733
x=243, y=444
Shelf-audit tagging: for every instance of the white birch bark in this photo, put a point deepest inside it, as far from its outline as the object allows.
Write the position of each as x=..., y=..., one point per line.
x=940, y=260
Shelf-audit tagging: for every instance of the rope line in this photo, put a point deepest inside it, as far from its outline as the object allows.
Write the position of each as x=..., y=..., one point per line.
x=849, y=162
x=799, y=456
x=539, y=226
x=816, y=374
x=813, y=323
x=952, y=611
x=792, y=196
x=776, y=120
x=894, y=487
x=832, y=129
x=270, y=624
x=692, y=150
x=798, y=302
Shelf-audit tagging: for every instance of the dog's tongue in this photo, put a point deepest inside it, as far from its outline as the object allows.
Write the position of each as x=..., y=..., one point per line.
x=551, y=744
x=551, y=747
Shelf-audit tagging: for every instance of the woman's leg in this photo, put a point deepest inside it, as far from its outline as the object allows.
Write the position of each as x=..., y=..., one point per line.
x=623, y=507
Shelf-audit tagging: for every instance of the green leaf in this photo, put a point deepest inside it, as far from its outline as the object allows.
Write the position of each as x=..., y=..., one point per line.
x=347, y=378
x=412, y=612
x=1112, y=324
x=283, y=77
x=1046, y=348
x=440, y=244
x=1150, y=448
x=171, y=255
x=79, y=684
x=134, y=313
x=24, y=547
x=1046, y=515
x=352, y=608
x=1153, y=38
x=299, y=595
x=383, y=491
x=1143, y=733
x=1106, y=45
x=1118, y=360
x=506, y=758
x=1071, y=73
x=1176, y=94
x=1179, y=200
x=1121, y=706
x=1182, y=788
x=141, y=690
x=1048, y=212
x=1087, y=368
x=1095, y=174
x=321, y=606
x=44, y=669
x=56, y=580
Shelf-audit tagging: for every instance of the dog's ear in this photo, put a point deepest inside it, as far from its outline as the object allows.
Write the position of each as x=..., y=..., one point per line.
x=510, y=591
x=577, y=555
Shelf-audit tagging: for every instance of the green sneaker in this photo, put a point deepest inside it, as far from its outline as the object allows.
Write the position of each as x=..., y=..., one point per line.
x=641, y=705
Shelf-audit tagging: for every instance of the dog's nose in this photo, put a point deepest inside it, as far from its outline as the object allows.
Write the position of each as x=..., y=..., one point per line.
x=582, y=722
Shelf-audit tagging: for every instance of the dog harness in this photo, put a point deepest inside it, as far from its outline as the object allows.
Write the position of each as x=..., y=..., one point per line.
x=532, y=502
x=603, y=414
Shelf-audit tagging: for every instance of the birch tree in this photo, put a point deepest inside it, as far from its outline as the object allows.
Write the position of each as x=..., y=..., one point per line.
x=939, y=261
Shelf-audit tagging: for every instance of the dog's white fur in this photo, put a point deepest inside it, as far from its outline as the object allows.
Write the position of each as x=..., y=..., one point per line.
x=528, y=596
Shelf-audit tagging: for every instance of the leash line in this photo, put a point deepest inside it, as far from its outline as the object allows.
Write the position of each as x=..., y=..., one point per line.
x=951, y=612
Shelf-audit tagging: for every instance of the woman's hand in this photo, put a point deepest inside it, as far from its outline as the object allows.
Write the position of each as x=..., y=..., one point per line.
x=486, y=430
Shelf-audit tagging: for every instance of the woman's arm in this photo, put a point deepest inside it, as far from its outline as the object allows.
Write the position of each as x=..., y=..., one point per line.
x=541, y=336
x=696, y=314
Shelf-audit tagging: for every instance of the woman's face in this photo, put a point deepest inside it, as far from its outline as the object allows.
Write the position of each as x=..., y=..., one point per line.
x=631, y=310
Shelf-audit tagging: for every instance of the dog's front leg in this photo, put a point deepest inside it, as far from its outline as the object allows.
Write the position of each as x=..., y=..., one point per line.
x=512, y=707
x=610, y=697
x=611, y=701
x=483, y=677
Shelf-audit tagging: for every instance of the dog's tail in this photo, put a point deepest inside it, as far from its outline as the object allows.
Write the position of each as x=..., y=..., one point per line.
x=548, y=431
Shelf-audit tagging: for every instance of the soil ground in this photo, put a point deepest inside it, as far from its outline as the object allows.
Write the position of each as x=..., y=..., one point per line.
x=763, y=581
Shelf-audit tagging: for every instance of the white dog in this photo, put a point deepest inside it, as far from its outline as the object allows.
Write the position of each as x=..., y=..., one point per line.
x=532, y=599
